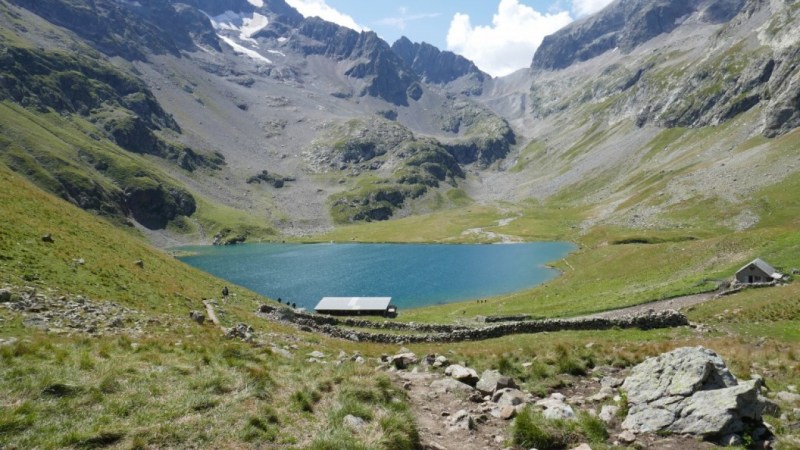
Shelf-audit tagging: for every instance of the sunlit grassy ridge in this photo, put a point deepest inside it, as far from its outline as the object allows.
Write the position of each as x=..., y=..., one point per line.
x=177, y=384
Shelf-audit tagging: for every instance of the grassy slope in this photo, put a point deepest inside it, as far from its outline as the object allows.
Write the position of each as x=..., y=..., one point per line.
x=130, y=391
x=226, y=393
x=48, y=147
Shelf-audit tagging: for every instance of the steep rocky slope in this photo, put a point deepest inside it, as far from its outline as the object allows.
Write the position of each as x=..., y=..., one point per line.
x=291, y=122
x=650, y=108
x=234, y=90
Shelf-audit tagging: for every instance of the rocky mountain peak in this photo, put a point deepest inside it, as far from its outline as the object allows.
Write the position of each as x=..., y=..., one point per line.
x=627, y=24
x=433, y=65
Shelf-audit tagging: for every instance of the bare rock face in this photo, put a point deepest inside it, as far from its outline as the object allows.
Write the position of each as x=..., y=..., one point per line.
x=690, y=391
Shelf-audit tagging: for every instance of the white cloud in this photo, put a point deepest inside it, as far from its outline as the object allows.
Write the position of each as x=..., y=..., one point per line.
x=318, y=8
x=509, y=43
x=586, y=7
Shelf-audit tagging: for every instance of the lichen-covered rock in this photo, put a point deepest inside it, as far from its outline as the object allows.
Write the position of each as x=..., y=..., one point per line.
x=689, y=391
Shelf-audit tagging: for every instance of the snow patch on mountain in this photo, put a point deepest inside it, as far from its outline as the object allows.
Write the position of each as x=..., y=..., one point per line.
x=244, y=50
x=246, y=24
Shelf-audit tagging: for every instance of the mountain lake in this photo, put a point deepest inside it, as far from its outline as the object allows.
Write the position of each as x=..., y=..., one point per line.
x=413, y=275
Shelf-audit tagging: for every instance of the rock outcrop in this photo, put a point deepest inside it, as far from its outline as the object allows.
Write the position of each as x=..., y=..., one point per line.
x=439, y=67
x=625, y=25
x=690, y=391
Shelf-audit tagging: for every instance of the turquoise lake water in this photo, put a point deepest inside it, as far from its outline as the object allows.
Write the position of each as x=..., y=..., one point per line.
x=413, y=275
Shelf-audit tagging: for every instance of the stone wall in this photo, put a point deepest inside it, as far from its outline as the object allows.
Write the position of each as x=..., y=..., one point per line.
x=447, y=333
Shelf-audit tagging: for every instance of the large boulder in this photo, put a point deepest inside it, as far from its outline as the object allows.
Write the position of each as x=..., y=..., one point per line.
x=462, y=374
x=403, y=360
x=689, y=391
x=450, y=385
x=492, y=380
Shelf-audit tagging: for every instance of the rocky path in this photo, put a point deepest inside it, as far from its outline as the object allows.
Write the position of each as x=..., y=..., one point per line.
x=677, y=304
x=492, y=235
x=440, y=425
x=454, y=408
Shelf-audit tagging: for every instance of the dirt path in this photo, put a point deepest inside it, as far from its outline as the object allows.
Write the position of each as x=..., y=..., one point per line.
x=676, y=303
x=494, y=236
x=435, y=408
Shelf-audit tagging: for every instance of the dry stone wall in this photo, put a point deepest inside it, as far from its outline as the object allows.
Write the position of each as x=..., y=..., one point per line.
x=447, y=333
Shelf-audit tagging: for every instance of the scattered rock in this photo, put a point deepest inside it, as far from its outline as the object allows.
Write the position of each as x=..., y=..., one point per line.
x=48, y=238
x=556, y=409
x=462, y=420
x=507, y=412
x=583, y=447
x=462, y=374
x=5, y=295
x=441, y=361
x=604, y=393
x=353, y=422
x=689, y=391
x=316, y=354
x=788, y=397
x=282, y=351
x=608, y=413
x=492, y=380
x=611, y=382
x=508, y=397
x=450, y=385
x=9, y=341
x=139, y=263
x=197, y=317
x=403, y=360
x=241, y=331
x=626, y=437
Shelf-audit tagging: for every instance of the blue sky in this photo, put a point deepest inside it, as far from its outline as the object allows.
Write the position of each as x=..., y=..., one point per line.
x=500, y=36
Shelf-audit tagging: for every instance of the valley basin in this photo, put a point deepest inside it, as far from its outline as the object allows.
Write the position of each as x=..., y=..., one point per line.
x=414, y=275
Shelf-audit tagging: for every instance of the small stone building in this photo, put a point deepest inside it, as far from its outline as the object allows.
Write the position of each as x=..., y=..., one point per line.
x=356, y=306
x=758, y=271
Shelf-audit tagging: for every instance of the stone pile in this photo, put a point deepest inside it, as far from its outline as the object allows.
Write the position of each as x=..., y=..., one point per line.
x=71, y=313
x=242, y=331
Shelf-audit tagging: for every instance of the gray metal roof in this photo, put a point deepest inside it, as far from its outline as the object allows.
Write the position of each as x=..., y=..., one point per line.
x=353, y=303
x=763, y=266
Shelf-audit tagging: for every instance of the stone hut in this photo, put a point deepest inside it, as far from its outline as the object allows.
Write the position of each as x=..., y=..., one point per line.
x=356, y=306
x=757, y=271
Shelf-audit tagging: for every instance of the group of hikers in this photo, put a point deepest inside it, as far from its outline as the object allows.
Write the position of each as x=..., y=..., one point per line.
x=225, y=293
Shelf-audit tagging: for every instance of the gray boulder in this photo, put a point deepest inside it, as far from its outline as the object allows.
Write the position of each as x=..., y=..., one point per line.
x=461, y=420
x=462, y=374
x=556, y=409
x=403, y=360
x=509, y=397
x=450, y=385
x=492, y=380
x=608, y=413
x=689, y=391
x=354, y=423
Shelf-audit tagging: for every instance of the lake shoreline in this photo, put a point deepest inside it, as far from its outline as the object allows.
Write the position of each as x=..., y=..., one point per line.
x=415, y=275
